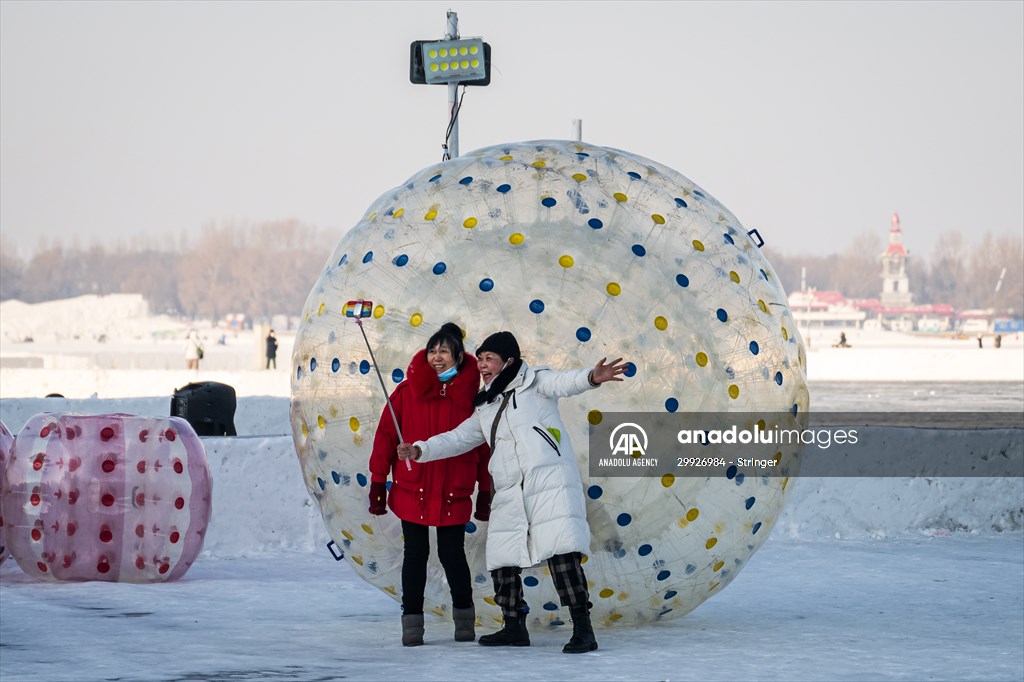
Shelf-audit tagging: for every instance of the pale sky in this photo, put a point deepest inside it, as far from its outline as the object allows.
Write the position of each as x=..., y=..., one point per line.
x=812, y=122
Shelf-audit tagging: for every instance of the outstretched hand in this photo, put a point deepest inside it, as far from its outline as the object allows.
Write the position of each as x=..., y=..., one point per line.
x=408, y=451
x=610, y=372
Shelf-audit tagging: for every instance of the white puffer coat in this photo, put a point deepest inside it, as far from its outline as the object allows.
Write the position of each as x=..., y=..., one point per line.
x=538, y=509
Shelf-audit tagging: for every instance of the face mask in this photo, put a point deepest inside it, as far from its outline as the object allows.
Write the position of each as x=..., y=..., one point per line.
x=448, y=374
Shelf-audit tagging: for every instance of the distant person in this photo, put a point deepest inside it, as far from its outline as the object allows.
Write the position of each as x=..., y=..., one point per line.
x=271, y=349
x=193, y=350
x=998, y=340
x=980, y=343
x=842, y=341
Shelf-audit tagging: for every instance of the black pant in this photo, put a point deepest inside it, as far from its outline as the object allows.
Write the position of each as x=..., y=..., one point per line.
x=272, y=360
x=451, y=551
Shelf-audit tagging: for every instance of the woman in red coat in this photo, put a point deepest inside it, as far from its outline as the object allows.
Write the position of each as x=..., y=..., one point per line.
x=436, y=396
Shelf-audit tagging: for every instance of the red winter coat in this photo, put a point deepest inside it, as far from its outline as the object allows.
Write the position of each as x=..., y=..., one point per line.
x=433, y=493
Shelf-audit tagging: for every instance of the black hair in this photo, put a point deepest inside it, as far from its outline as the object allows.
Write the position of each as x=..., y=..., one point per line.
x=451, y=335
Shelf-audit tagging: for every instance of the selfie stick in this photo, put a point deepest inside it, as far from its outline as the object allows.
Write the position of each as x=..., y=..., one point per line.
x=398, y=430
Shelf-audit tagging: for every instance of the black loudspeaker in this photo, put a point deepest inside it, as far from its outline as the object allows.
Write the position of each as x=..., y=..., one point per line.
x=208, y=406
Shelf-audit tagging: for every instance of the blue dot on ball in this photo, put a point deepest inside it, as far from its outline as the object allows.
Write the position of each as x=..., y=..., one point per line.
x=639, y=250
x=312, y=364
x=548, y=201
x=728, y=239
x=550, y=606
x=435, y=178
x=470, y=527
x=764, y=274
x=644, y=550
x=663, y=575
x=360, y=478
x=778, y=378
x=740, y=478
x=364, y=367
x=344, y=259
x=630, y=369
x=537, y=306
x=397, y=376
x=594, y=492
x=680, y=203
x=335, y=365
x=623, y=519
x=682, y=280
x=486, y=284
x=321, y=482
x=368, y=256
x=730, y=473
x=504, y=188
x=401, y=260
x=439, y=268
x=466, y=180
x=670, y=594
x=595, y=223
x=634, y=175
x=530, y=581
x=722, y=315
x=671, y=405
x=749, y=503
x=583, y=334
x=754, y=348
x=757, y=527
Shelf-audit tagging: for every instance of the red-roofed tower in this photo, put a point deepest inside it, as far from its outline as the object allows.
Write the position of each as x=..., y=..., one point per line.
x=895, y=283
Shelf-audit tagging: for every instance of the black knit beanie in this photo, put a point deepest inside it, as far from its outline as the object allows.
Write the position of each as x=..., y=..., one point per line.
x=500, y=343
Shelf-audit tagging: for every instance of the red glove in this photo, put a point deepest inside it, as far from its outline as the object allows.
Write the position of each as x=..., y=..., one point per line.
x=483, y=505
x=378, y=497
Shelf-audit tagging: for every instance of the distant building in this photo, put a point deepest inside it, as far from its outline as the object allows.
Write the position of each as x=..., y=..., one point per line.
x=895, y=282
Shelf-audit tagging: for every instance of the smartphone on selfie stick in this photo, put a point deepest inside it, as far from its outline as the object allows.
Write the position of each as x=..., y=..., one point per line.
x=357, y=310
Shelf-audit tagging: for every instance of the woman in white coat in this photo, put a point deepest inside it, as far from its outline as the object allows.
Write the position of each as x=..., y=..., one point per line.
x=538, y=511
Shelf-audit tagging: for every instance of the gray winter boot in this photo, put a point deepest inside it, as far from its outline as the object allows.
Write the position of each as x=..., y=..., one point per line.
x=412, y=629
x=465, y=620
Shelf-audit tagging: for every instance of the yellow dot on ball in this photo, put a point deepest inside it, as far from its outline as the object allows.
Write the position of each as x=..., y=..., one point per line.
x=718, y=566
x=566, y=261
x=399, y=213
x=353, y=423
x=613, y=288
x=538, y=164
x=469, y=223
x=348, y=535
x=620, y=197
x=378, y=311
x=734, y=276
x=701, y=358
x=710, y=543
x=305, y=431
x=431, y=214
x=320, y=421
x=416, y=319
x=614, y=617
x=516, y=238
x=504, y=158
x=697, y=244
x=579, y=177
x=734, y=391
x=595, y=417
x=667, y=480
x=785, y=333
x=322, y=309
x=658, y=219
x=372, y=216
x=762, y=305
x=605, y=593
x=368, y=530
x=660, y=323
x=692, y=514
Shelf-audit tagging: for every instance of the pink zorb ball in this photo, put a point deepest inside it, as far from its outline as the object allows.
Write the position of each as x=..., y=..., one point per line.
x=107, y=497
x=6, y=449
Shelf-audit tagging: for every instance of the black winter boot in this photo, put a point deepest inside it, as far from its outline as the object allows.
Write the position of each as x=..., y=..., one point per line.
x=513, y=633
x=583, y=639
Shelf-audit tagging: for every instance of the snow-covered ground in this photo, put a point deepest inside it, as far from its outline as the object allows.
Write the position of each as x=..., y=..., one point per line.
x=862, y=578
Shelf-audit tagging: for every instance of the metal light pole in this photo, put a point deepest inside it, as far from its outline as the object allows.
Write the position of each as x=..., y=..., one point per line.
x=453, y=90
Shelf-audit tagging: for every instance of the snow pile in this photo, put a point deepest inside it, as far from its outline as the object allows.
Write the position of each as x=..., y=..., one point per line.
x=120, y=316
